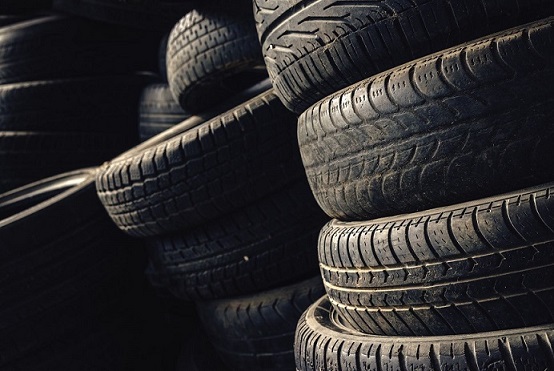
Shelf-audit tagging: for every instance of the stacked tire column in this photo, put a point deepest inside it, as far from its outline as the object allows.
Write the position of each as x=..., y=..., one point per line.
x=466, y=286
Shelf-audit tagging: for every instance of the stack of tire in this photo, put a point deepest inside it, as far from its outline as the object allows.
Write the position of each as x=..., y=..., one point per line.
x=221, y=199
x=435, y=167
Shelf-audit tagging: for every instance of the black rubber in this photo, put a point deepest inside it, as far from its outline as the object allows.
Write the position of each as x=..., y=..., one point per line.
x=72, y=288
x=213, y=168
x=211, y=56
x=162, y=61
x=158, y=111
x=75, y=47
x=48, y=127
x=466, y=123
x=322, y=343
x=313, y=48
x=23, y=7
x=155, y=15
x=257, y=332
x=264, y=245
x=479, y=266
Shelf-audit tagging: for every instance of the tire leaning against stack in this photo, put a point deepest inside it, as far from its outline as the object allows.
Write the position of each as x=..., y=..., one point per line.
x=313, y=48
x=466, y=123
x=323, y=343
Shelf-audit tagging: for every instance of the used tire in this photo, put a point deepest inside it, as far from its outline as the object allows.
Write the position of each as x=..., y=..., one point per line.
x=480, y=266
x=72, y=287
x=209, y=170
x=211, y=56
x=322, y=343
x=76, y=47
x=257, y=332
x=466, y=123
x=314, y=48
x=158, y=111
x=266, y=244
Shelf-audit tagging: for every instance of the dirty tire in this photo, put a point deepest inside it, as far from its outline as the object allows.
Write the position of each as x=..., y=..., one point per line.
x=480, y=266
x=158, y=111
x=211, y=56
x=72, y=284
x=463, y=124
x=211, y=169
x=155, y=15
x=322, y=343
x=267, y=244
x=75, y=47
x=313, y=48
x=257, y=332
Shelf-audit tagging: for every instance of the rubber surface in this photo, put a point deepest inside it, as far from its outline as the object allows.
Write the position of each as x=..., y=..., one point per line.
x=158, y=111
x=266, y=244
x=72, y=286
x=313, y=48
x=209, y=170
x=75, y=47
x=479, y=266
x=257, y=332
x=466, y=123
x=210, y=56
x=323, y=344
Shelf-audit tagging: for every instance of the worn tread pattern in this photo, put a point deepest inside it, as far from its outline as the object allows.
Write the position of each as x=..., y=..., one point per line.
x=257, y=332
x=480, y=266
x=312, y=48
x=266, y=244
x=59, y=46
x=72, y=287
x=158, y=111
x=463, y=124
x=211, y=56
x=322, y=343
x=209, y=170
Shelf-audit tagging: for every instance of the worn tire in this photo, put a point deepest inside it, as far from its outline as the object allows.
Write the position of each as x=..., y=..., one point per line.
x=72, y=286
x=211, y=56
x=211, y=169
x=266, y=244
x=76, y=47
x=322, y=343
x=155, y=15
x=158, y=111
x=480, y=266
x=257, y=332
x=466, y=123
x=314, y=48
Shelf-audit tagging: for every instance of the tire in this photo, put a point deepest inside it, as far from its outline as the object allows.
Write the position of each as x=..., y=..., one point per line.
x=72, y=287
x=479, y=266
x=24, y=7
x=314, y=48
x=323, y=344
x=157, y=15
x=419, y=136
x=261, y=246
x=158, y=111
x=48, y=127
x=75, y=48
x=257, y=332
x=211, y=169
x=162, y=62
x=211, y=56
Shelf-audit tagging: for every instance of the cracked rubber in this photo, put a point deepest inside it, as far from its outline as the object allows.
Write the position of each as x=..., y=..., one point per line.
x=263, y=245
x=469, y=122
x=257, y=332
x=211, y=56
x=158, y=111
x=72, y=285
x=211, y=169
x=75, y=47
x=479, y=266
x=322, y=343
x=313, y=48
